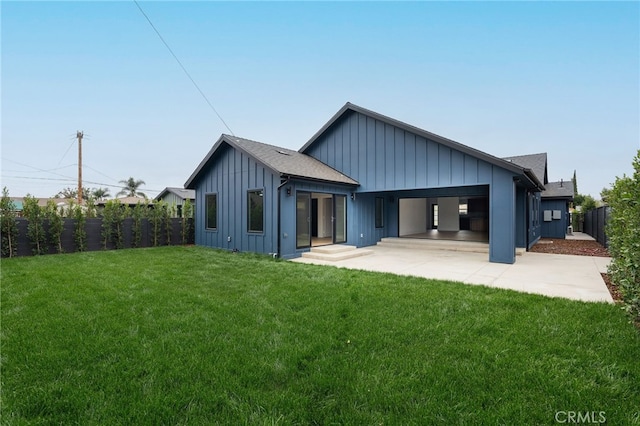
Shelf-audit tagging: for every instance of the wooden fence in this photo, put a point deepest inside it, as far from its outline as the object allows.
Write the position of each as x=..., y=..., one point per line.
x=595, y=224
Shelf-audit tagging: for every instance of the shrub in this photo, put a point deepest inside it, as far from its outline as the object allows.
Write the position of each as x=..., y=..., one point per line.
x=187, y=213
x=8, y=226
x=168, y=212
x=623, y=230
x=35, y=229
x=156, y=219
x=137, y=215
x=107, y=220
x=80, y=233
x=56, y=225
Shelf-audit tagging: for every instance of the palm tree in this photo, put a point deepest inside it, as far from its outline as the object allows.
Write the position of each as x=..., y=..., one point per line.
x=130, y=188
x=100, y=193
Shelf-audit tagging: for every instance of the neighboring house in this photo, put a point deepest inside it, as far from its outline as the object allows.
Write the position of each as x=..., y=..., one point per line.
x=363, y=176
x=125, y=201
x=554, y=216
x=556, y=202
x=177, y=197
x=18, y=203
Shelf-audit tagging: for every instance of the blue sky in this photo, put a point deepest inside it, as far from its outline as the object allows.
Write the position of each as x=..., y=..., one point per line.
x=507, y=78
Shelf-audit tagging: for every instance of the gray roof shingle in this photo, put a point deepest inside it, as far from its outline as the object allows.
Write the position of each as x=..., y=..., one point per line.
x=183, y=193
x=283, y=161
x=536, y=162
x=562, y=189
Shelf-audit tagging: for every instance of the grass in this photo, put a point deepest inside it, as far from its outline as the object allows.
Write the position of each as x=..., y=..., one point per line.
x=188, y=335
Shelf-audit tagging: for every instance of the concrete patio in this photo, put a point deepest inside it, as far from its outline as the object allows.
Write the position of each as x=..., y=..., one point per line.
x=554, y=275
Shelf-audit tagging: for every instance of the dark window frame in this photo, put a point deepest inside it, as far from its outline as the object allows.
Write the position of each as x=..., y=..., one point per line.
x=250, y=214
x=379, y=212
x=206, y=211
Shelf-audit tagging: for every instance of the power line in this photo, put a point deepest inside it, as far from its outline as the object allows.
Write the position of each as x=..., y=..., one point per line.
x=66, y=152
x=183, y=68
x=100, y=173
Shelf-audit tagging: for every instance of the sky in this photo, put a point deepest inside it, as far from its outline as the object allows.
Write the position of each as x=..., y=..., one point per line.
x=507, y=78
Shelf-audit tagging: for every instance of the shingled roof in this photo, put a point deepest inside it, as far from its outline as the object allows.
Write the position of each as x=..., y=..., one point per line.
x=185, y=194
x=536, y=162
x=562, y=189
x=282, y=161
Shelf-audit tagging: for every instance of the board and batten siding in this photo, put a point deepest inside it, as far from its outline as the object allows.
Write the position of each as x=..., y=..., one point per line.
x=555, y=228
x=381, y=156
x=384, y=157
x=231, y=175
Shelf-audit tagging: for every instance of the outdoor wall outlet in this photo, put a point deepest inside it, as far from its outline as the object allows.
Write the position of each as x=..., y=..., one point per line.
x=285, y=235
x=229, y=238
x=361, y=235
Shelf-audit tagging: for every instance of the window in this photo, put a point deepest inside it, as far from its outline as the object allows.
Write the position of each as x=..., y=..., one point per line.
x=212, y=211
x=379, y=212
x=434, y=216
x=255, y=204
x=463, y=208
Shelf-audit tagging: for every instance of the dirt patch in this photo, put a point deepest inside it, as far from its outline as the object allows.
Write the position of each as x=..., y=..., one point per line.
x=613, y=289
x=577, y=247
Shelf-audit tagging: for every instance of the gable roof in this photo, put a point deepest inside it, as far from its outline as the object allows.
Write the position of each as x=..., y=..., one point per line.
x=562, y=189
x=349, y=107
x=536, y=162
x=282, y=161
x=185, y=194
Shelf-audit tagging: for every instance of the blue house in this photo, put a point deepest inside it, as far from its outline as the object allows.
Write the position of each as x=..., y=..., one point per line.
x=363, y=176
x=555, y=200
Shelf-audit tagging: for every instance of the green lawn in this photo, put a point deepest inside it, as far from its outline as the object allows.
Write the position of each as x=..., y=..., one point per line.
x=188, y=335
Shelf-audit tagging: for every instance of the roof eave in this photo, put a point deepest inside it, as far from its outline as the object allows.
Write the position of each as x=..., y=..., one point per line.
x=313, y=179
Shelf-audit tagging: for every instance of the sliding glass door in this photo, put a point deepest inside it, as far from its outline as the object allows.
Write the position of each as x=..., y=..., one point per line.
x=339, y=219
x=303, y=219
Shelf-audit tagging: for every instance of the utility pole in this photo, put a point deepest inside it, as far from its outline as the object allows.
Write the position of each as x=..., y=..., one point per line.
x=79, y=135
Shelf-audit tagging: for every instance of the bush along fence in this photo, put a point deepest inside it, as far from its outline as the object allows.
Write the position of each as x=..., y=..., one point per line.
x=49, y=230
x=623, y=229
x=595, y=224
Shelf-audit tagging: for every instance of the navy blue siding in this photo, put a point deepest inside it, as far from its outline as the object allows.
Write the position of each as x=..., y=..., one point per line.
x=382, y=157
x=230, y=175
x=392, y=159
x=521, y=217
x=535, y=218
x=557, y=228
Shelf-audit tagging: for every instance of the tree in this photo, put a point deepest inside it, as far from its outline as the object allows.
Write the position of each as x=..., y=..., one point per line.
x=130, y=188
x=100, y=193
x=72, y=193
x=604, y=194
x=8, y=226
x=588, y=203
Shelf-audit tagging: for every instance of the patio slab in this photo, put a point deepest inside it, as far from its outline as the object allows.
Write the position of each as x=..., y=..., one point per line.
x=554, y=275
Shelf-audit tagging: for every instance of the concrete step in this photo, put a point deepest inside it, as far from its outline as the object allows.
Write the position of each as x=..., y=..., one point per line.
x=333, y=248
x=450, y=245
x=336, y=252
x=425, y=244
